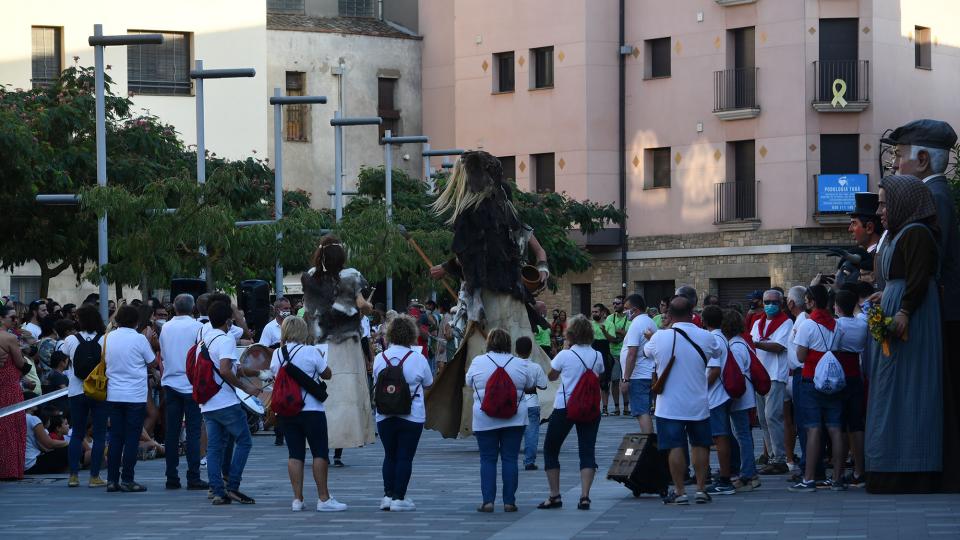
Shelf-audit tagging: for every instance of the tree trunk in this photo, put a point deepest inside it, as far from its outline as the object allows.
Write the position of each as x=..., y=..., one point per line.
x=47, y=273
x=119, y=292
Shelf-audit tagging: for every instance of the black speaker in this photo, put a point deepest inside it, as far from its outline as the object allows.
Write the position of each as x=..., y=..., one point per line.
x=192, y=286
x=253, y=298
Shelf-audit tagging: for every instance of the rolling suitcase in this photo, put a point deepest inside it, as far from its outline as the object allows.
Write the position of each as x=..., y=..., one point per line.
x=640, y=466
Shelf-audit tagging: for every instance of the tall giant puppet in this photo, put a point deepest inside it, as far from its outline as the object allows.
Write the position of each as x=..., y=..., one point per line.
x=334, y=304
x=490, y=245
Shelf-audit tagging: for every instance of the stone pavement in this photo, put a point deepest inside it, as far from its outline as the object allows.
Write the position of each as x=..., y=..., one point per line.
x=445, y=487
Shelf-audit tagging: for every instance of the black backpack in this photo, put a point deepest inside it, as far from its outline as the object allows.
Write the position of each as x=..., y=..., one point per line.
x=86, y=356
x=391, y=394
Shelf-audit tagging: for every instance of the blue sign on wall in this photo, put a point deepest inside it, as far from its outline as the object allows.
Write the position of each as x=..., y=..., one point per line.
x=835, y=192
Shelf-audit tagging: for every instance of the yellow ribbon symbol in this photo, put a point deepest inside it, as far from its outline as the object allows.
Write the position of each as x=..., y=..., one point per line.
x=839, y=90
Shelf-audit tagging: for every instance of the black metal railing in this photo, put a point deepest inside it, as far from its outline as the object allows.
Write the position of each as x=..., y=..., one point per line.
x=735, y=89
x=848, y=80
x=736, y=201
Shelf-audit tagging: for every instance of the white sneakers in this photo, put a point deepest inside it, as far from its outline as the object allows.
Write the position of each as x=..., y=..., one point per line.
x=297, y=505
x=402, y=505
x=330, y=505
x=385, y=503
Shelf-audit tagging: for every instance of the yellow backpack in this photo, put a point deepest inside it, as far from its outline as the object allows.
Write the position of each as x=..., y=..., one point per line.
x=95, y=385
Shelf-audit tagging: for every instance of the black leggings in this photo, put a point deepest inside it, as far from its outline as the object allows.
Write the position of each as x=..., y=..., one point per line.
x=54, y=461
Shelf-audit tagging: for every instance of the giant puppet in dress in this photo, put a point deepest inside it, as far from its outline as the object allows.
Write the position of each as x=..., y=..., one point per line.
x=490, y=244
x=333, y=305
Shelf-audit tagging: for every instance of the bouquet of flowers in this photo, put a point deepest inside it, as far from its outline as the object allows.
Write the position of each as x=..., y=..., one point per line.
x=880, y=326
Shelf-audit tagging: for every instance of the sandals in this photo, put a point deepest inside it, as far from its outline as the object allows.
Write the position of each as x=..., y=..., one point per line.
x=584, y=503
x=551, y=503
x=486, y=508
x=616, y=412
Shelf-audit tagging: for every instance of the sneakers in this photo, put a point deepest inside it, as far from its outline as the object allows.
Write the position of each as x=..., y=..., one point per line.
x=132, y=487
x=774, y=468
x=676, y=500
x=385, y=503
x=702, y=497
x=330, y=505
x=173, y=484
x=530, y=467
x=197, y=485
x=804, y=486
x=402, y=505
x=857, y=481
x=96, y=482
x=203, y=462
x=824, y=484
x=297, y=505
x=337, y=463
x=721, y=489
x=74, y=481
x=747, y=484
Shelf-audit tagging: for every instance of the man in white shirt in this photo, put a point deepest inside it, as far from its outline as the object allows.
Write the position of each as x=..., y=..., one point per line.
x=637, y=368
x=270, y=336
x=177, y=336
x=796, y=306
x=37, y=311
x=683, y=407
x=222, y=413
x=770, y=336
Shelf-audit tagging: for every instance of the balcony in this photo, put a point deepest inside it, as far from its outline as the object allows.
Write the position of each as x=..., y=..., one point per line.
x=735, y=2
x=735, y=94
x=841, y=86
x=736, y=206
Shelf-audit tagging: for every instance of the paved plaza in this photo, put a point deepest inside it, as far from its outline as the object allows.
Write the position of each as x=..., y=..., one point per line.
x=445, y=487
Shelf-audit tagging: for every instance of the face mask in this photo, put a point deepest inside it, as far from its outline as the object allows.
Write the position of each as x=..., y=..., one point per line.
x=284, y=314
x=771, y=310
x=160, y=322
x=630, y=315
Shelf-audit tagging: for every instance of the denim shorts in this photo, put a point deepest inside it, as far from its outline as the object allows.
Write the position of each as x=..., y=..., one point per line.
x=819, y=408
x=854, y=415
x=720, y=420
x=676, y=433
x=640, y=397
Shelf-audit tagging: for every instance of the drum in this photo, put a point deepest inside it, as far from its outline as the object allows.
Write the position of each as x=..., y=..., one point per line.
x=254, y=359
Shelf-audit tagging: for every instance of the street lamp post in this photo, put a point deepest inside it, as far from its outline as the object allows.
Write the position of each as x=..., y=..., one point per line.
x=338, y=122
x=427, y=154
x=278, y=101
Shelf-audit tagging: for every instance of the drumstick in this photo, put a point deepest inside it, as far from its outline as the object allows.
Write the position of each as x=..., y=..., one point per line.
x=416, y=247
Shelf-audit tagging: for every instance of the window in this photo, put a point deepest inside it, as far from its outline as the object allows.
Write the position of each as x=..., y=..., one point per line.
x=657, y=58
x=922, y=47
x=386, y=108
x=509, y=164
x=839, y=154
x=160, y=70
x=297, y=115
x=46, y=56
x=285, y=6
x=656, y=168
x=580, y=303
x=356, y=8
x=654, y=291
x=24, y=289
x=503, y=72
x=543, y=172
x=542, y=72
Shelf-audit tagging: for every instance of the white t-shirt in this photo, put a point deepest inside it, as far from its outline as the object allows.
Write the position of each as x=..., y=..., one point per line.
x=777, y=364
x=364, y=327
x=127, y=355
x=571, y=368
x=33, y=329
x=741, y=352
x=177, y=336
x=70, y=348
x=533, y=400
x=235, y=331
x=852, y=334
x=220, y=348
x=270, y=334
x=685, y=395
x=33, y=447
x=310, y=360
x=643, y=369
x=792, y=346
x=814, y=336
x=481, y=368
x=416, y=370
x=718, y=394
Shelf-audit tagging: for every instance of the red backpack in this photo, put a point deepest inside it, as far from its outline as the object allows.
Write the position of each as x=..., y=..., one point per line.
x=733, y=380
x=205, y=385
x=191, y=364
x=500, y=393
x=584, y=402
x=287, y=397
x=759, y=377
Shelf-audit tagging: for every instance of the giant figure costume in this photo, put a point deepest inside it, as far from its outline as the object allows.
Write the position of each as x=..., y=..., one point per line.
x=490, y=245
x=332, y=315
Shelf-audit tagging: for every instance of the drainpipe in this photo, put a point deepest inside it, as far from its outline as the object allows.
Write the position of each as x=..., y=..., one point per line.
x=380, y=10
x=621, y=65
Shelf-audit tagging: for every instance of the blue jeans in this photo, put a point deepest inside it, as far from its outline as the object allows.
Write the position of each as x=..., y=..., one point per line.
x=531, y=436
x=180, y=405
x=800, y=419
x=400, y=439
x=505, y=443
x=82, y=408
x=640, y=396
x=557, y=430
x=747, y=468
x=223, y=425
x=126, y=424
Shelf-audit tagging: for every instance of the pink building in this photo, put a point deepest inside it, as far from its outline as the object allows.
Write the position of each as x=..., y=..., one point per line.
x=731, y=110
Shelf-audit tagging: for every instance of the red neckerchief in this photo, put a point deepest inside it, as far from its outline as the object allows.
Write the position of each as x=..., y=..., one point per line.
x=824, y=318
x=774, y=324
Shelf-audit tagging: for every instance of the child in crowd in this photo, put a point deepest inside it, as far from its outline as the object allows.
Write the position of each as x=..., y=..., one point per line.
x=531, y=401
x=59, y=428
